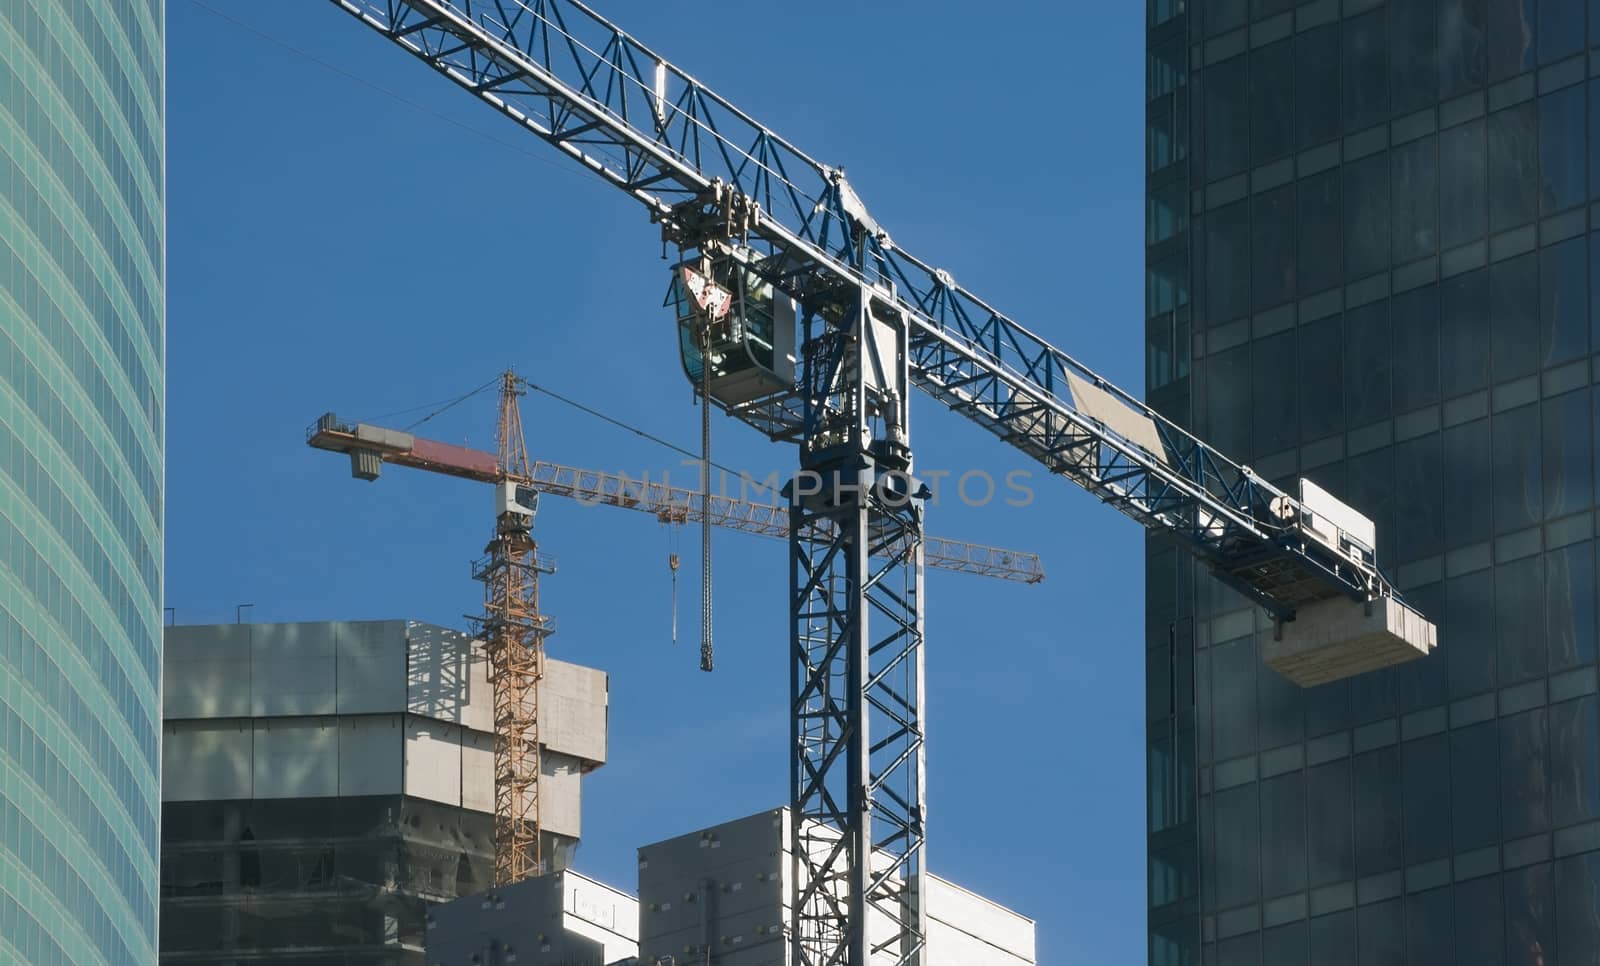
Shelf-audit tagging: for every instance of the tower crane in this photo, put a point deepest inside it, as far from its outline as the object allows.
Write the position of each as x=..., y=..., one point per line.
x=513, y=628
x=797, y=314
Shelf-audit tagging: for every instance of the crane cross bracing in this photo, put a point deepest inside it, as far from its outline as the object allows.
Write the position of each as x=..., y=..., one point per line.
x=800, y=316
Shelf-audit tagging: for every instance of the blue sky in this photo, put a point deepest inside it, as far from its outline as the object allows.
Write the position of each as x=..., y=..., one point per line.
x=349, y=232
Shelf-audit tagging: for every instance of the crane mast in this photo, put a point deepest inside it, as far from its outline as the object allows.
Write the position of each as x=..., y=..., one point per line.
x=513, y=631
x=815, y=326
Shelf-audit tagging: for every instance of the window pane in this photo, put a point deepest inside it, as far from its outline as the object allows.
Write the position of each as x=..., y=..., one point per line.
x=1467, y=499
x=1514, y=306
x=1416, y=199
x=1520, y=627
x=1568, y=441
x=1560, y=29
x=1321, y=250
x=1367, y=363
x=1275, y=393
x=1564, y=301
x=1333, y=939
x=1272, y=239
x=1418, y=510
x=1224, y=15
x=1228, y=399
x=1172, y=875
x=1463, y=184
x=1411, y=25
x=1462, y=46
x=1382, y=934
x=1524, y=771
x=1227, y=263
x=1464, y=333
x=1569, y=605
x=1577, y=895
x=1366, y=81
x=1474, y=785
x=1366, y=211
x=1285, y=945
x=1227, y=119
x=1321, y=378
x=1330, y=839
x=1530, y=917
x=1416, y=347
x=1233, y=708
x=1238, y=859
x=1317, y=84
x=1575, y=757
x=1240, y=950
x=1513, y=166
x=1511, y=37
x=1166, y=211
x=1425, y=775
x=1469, y=624
x=1272, y=101
x=1166, y=71
x=1283, y=834
x=1562, y=139
x=1430, y=932
x=1377, y=792
x=1518, y=490
x=1480, y=932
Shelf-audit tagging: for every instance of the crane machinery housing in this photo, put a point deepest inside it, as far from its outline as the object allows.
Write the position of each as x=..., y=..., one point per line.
x=797, y=314
x=513, y=627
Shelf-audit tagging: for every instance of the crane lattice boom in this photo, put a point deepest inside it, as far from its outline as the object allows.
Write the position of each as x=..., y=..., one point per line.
x=706, y=170
x=369, y=446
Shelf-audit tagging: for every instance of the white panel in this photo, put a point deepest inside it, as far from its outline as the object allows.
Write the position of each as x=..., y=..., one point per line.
x=433, y=760
x=291, y=669
x=573, y=708
x=296, y=759
x=595, y=902
x=206, y=671
x=1116, y=415
x=988, y=921
x=477, y=771
x=437, y=669
x=371, y=677
x=205, y=761
x=371, y=750
x=560, y=795
x=1341, y=515
x=948, y=946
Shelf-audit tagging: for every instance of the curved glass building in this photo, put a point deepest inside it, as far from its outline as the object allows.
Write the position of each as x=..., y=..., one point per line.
x=82, y=354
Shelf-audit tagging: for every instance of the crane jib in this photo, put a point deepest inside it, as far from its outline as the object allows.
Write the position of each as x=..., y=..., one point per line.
x=576, y=80
x=703, y=167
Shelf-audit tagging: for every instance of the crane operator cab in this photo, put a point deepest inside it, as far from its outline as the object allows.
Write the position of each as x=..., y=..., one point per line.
x=729, y=315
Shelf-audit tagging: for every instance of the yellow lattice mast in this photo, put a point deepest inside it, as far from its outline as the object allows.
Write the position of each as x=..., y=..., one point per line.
x=513, y=633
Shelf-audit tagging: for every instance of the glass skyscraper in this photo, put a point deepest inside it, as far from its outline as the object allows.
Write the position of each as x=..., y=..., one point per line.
x=1369, y=263
x=82, y=355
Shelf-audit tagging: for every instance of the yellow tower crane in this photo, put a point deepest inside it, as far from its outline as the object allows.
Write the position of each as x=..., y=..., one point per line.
x=512, y=627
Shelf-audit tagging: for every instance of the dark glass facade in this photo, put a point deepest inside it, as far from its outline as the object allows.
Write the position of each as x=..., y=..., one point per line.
x=1369, y=263
x=82, y=392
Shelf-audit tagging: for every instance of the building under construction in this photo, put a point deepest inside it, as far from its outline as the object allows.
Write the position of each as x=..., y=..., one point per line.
x=324, y=783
